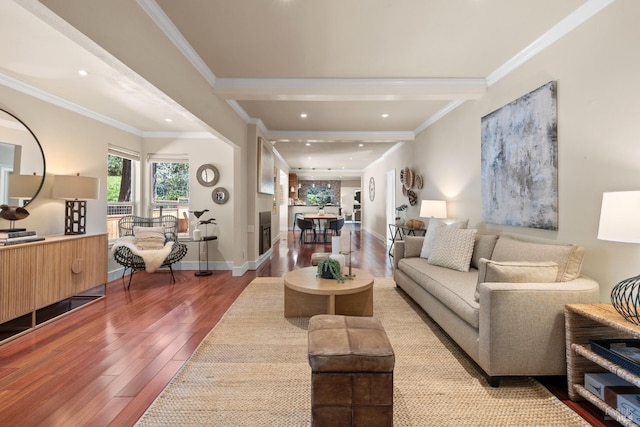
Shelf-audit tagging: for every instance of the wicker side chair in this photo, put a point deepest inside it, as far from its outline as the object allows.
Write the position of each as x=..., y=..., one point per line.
x=129, y=260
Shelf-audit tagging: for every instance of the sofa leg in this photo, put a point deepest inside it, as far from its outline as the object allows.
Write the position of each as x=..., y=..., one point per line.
x=494, y=381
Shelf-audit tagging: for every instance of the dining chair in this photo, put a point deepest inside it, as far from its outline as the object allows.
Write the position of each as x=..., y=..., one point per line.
x=334, y=227
x=305, y=225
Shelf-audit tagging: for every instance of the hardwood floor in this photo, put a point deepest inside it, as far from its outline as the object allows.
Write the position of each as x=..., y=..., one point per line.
x=105, y=363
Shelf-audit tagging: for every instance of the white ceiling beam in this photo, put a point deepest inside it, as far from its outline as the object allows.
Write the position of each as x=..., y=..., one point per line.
x=241, y=89
x=340, y=136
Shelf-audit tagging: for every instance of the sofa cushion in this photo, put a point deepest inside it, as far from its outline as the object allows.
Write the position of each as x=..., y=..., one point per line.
x=452, y=248
x=568, y=257
x=413, y=246
x=430, y=235
x=455, y=289
x=483, y=248
x=515, y=272
x=148, y=237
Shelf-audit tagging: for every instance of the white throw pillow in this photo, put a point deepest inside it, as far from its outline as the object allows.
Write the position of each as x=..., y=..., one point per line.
x=149, y=237
x=452, y=248
x=430, y=235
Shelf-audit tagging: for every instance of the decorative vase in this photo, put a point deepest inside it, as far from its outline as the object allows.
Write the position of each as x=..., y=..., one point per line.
x=399, y=222
x=321, y=211
x=341, y=259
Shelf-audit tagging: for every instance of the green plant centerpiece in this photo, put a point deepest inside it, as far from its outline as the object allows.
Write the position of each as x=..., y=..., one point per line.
x=329, y=268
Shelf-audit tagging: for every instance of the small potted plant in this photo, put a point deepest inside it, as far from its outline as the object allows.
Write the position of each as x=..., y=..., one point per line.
x=329, y=268
x=399, y=209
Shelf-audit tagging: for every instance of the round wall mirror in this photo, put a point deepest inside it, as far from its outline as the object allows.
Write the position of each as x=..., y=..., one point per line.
x=22, y=164
x=208, y=175
x=220, y=195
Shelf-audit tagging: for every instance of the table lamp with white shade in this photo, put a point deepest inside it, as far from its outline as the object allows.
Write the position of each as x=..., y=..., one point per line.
x=620, y=222
x=433, y=209
x=76, y=190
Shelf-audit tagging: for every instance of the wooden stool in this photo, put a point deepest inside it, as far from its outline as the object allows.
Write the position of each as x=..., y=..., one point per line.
x=352, y=365
x=316, y=257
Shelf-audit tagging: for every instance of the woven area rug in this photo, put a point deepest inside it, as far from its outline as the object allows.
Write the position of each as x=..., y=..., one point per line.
x=252, y=370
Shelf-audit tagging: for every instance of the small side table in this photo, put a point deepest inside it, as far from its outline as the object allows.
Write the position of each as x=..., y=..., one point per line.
x=200, y=271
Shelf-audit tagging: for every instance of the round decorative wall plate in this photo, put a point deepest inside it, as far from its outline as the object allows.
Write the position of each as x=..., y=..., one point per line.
x=372, y=189
x=408, y=178
x=220, y=195
x=207, y=175
x=402, y=176
x=419, y=182
x=413, y=199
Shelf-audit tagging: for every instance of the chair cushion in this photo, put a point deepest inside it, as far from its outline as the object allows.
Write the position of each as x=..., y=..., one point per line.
x=515, y=272
x=568, y=257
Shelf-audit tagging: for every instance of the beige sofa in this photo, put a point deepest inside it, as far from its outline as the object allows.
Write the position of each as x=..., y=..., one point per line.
x=506, y=311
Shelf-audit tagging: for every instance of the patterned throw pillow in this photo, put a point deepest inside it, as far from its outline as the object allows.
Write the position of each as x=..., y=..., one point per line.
x=452, y=248
x=430, y=235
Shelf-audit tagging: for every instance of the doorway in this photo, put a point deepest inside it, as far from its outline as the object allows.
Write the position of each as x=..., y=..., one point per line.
x=390, y=202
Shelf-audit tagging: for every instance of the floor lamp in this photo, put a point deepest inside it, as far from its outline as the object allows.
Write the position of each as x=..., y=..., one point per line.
x=619, y=222
x=76, y=190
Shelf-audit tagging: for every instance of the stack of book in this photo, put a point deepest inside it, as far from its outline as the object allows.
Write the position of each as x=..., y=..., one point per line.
x=15, y=237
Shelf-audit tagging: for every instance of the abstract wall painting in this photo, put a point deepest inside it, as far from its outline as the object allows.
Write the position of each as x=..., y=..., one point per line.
x=266, y=163
x=519, y=162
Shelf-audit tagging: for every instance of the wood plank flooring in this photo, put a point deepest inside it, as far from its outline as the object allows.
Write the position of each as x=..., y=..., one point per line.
x=105, y=363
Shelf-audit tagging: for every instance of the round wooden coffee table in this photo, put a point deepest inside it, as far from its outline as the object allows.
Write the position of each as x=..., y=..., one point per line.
x=306, y=295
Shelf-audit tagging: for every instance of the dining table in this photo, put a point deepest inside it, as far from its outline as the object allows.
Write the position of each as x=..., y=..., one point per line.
x=317, y=219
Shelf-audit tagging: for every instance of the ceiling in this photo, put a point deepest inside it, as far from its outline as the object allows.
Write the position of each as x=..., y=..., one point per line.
x=344, y=63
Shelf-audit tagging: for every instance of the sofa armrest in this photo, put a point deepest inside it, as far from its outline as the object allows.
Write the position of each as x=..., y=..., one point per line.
x=398, y=252
x=521, y=325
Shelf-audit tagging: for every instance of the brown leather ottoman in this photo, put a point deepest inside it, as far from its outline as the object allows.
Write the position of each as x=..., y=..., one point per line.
x=316, y=257
x=352, y=364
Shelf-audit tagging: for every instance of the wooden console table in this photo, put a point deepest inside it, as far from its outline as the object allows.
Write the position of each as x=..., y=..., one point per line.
x=584, y=322
x=41, y=280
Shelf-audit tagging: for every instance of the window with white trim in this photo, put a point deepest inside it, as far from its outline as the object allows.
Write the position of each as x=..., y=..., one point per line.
x=123, y=168
x=169, y=178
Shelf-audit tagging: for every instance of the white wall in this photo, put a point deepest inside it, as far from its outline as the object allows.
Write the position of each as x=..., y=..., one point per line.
x=597, y=72
x=201, y=151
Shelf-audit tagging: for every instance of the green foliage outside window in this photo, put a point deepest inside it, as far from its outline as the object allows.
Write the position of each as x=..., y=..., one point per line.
x=170, y=181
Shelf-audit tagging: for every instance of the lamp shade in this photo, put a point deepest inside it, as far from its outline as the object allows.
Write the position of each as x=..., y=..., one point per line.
x=620, y=217
x=75, y=187
x=433, y=208
x=23, y=185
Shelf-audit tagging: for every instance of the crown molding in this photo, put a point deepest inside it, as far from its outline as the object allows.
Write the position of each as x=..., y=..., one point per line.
x=566, y=25
x=179, y=135
x=63, y=103
x=155, y=12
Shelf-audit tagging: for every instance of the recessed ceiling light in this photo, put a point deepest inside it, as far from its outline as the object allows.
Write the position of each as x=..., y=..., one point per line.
x=168, y=120
x=309, y=158
x=303, y=115
x=385, y=115
x=284, y=140
x=308, y=144
x=360, y=145
x=83, y=73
